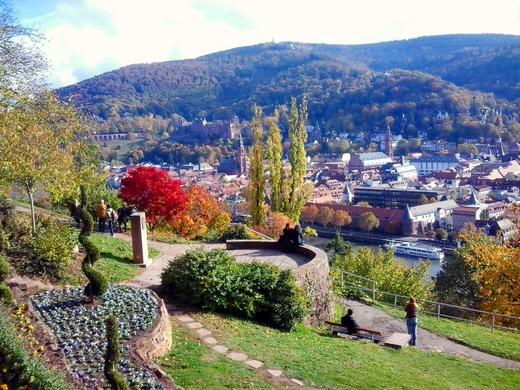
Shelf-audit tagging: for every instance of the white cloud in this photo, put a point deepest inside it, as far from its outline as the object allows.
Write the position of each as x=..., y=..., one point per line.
x=87, y=37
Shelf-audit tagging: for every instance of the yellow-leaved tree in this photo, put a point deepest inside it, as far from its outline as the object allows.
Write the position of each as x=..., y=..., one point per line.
x=39, y=140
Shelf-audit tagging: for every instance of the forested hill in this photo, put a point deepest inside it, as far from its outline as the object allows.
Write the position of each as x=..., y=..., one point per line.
x=347, y=85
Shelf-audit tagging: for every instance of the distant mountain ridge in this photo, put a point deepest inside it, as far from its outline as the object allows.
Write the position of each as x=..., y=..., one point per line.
x=346, y=84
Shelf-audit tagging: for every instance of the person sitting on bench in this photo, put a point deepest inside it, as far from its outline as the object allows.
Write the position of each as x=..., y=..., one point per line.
x=349, y=322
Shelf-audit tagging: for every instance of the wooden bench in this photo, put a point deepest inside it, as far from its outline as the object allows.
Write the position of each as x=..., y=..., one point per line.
x=373, y=335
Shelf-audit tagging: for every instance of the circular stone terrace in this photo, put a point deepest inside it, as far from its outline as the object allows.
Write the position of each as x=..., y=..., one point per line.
x=271, y=256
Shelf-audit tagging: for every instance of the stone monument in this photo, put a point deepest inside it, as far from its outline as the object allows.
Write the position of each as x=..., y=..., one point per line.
x=139, y=239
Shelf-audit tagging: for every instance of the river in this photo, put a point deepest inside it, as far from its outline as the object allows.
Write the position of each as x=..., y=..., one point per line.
x=435, y=265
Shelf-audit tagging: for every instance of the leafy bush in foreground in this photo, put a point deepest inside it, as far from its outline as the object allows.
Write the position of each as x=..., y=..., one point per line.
x=215, y=281
x=31, y=371
x=51, y=249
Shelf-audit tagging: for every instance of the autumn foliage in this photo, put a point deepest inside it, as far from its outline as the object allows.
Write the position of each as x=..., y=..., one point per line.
x=153, y=191
x=496, y=270
x=202, y=213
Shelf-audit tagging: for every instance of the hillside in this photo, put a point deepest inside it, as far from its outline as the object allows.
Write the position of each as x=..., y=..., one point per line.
x=349, y=86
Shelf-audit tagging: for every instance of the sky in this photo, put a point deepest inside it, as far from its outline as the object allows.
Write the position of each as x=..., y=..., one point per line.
x=88, y=37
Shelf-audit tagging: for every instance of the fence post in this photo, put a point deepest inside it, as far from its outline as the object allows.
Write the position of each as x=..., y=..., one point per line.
x=374, y=291
x=395, y=300
x=492, y=323
x=438, y=310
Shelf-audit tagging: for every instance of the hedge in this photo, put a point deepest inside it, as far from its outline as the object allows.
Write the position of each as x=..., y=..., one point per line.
x=215, y=281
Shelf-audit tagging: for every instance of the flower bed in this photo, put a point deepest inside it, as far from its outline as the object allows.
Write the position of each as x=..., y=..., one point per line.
x=80, y=330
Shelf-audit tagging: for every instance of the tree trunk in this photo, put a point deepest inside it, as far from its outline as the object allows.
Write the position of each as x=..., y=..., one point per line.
x=30, y=193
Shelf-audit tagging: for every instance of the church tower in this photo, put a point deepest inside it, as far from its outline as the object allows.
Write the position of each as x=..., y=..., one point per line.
x=388, y=143
x=242, y=162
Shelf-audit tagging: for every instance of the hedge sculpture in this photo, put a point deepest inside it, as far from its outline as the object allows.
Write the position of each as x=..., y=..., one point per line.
x=97, y=283
x=113, y=355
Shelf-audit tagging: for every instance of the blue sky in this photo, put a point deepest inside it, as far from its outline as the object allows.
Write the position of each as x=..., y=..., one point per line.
x=88, y=37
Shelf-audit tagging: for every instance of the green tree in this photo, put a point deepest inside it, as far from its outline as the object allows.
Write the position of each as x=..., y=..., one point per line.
x=368, y=221
x=38, y=140
x=256, y=189
x=298, y=194
x=441, y=234
x=274, y=155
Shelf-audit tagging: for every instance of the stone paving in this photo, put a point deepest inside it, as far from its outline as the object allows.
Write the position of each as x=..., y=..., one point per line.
x=372, y=318
x=283, y=260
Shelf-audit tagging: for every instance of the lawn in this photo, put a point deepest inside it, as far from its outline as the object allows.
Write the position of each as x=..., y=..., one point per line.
x=115, y=260
x=194, y=366
x=499, y=343
x=334, y=363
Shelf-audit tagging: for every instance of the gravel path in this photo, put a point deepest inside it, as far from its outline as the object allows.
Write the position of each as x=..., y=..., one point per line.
x=373, y=318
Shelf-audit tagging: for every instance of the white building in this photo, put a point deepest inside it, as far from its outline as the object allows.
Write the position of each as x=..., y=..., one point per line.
x=438, y=213
x=428, y=164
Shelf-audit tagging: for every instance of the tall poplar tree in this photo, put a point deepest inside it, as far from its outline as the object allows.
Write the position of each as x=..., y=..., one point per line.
x=298, y=194
x=274, y=155
x=256, y=189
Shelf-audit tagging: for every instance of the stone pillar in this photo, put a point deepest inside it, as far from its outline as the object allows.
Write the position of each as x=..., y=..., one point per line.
x=139, y=239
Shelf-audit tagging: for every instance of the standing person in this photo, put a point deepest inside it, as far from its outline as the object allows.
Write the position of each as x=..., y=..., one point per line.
x=122, y=219
x=101, y=211
x=112, y=218
x=411, y=319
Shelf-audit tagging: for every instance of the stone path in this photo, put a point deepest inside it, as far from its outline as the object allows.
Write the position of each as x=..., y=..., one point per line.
x=206, y=337
x=372, y=318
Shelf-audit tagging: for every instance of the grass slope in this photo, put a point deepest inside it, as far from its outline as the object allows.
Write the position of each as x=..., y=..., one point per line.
x=334, y=363
x=195, y=366
x=115, y=260
x=504, y=344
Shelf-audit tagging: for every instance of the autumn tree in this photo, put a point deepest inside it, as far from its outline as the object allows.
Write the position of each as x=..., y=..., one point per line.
x=38, y=141
x=484, y=274
x=363, y=204
x=341, y=218
x=274, y=156
x=368, y=221
x=202, y=213
x=298, y=194
x=310, y=213
x=153, y=191
x=423, y=200
x=325, y=215
x=256, y=188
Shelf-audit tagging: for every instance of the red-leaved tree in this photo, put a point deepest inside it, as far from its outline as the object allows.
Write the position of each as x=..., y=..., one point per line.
x=153, y=191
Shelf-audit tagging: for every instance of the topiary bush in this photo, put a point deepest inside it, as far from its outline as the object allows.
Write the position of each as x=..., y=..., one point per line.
x=113, y=356
x=98, y=284
x=50, y=250
x=215, y=281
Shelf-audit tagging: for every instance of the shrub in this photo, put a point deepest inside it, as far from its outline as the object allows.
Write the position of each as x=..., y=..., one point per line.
x=235, y=232
x=215, y=281
x=51, y=249
x=32, y=372
x=6, y=296
x=97, y=284
x=4, y=268
x=113, y=356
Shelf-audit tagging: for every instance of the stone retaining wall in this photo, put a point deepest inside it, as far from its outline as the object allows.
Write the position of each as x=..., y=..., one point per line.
x=312, y=277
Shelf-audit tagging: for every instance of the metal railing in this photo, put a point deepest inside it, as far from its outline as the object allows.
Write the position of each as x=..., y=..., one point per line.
x=436, y=309
x=254, y=232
